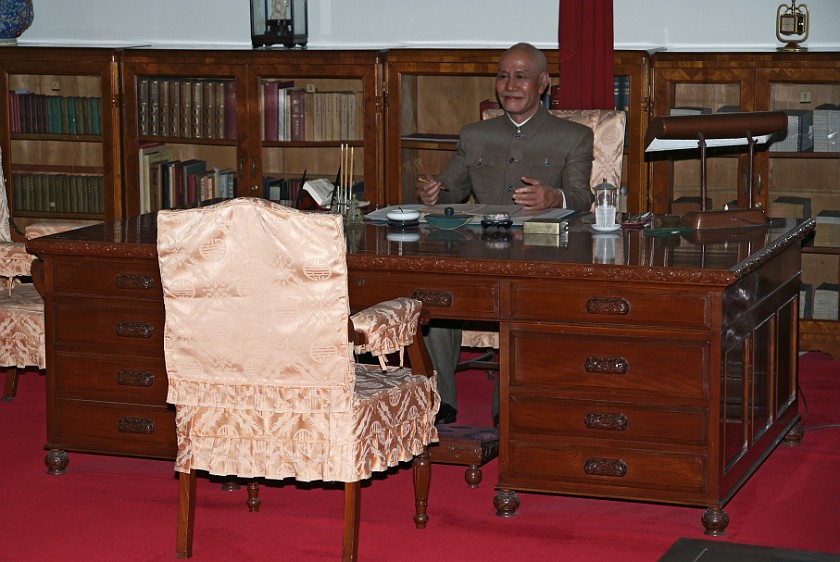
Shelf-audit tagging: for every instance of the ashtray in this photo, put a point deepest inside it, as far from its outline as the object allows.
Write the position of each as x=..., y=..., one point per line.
x=403, y=224
x=403, y=215
x=488, y=223
x=449, y=220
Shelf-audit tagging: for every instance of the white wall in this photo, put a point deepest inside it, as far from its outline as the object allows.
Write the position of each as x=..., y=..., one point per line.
x=639, y=24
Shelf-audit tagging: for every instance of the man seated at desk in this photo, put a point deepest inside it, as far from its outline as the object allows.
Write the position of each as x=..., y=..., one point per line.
x=525, y=156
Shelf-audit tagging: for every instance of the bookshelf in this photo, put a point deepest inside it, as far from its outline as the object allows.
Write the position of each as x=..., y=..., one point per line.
x=59, y=133
x=240, y=138
x=794, y=176
x=431, y=94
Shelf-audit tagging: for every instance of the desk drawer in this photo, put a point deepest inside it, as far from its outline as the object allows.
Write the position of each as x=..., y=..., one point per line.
x=446, y=299
x=108, y=326
x=130, y=379
x=613, y=303
x=131, y=279
x=643, y=364
x=114, y=429
x=608, y=420
x=584, y=469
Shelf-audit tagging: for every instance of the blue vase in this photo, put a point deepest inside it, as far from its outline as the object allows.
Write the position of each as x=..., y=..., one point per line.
x=15, y=18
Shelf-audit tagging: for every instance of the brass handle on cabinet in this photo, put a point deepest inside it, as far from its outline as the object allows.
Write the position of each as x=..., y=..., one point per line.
x=126, y=377
x=606, y=421
x=241, y=167
x=433, y=298
x=136, y=425
x=607, y=305
x=606, y=365
x=253, y=167
x=605, y=467
x=133, y=281
x=134, y=330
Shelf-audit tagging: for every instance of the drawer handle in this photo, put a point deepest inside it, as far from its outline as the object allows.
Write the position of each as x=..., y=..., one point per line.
x=605, y=467
x=609, y=422
x=136, y=425
x=605, y=305
x=126, y=377
x=134, y=330
x=606, y=365
x=433, y=298
x=134, y=281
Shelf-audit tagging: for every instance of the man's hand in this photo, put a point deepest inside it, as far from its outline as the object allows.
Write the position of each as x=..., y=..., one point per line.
x=429, y=190
x=534, y=196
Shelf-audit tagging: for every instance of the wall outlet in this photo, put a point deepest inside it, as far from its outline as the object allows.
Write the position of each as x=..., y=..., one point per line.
x=56, y=85
x=804, y=97
x=310, y=88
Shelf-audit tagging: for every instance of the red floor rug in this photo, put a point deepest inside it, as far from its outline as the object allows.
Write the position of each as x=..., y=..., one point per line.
x=110, y=508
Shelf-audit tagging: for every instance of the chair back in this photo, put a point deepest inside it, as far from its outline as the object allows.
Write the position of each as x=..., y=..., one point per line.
x=608, y=145
x=256, y=306
x=5, y=230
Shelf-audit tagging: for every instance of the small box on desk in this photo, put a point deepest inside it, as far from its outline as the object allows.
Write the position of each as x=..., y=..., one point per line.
x=544, y=226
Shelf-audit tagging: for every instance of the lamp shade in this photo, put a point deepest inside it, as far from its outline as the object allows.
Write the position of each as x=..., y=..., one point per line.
x=682, y=132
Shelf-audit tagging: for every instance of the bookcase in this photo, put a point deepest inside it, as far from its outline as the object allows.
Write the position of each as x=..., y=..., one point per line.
x=795, y=176
x=432, y=93
x=213, y=124
x=59, y=133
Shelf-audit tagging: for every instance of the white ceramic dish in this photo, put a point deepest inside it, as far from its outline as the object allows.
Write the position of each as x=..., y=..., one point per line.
x=612, y=228
x=403, y=215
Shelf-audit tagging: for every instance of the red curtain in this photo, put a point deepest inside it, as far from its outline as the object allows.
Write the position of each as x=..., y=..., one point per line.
x=585, y=37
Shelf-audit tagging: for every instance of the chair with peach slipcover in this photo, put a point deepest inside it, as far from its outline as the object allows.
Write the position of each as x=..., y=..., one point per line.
x=260, y=364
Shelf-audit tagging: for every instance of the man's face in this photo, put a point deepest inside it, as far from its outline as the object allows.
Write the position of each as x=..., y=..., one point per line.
x=519, y=84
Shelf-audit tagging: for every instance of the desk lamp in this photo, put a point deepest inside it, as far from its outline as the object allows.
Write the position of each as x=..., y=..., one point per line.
x=714, y=130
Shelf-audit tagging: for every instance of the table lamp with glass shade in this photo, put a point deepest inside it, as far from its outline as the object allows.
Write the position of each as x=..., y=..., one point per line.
x=717, y=130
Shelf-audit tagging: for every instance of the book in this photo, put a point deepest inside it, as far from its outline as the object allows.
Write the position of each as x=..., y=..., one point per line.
x=827, y=128
x=229, y=96
x=149, y=156
x=321, y=191
x=790, y=206
x=799, y=136
x=296, y=103
x=185, y=173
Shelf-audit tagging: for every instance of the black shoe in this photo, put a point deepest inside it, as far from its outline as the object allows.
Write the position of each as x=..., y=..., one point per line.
x=447, y=414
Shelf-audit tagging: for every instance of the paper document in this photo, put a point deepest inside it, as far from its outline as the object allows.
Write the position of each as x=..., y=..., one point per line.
x=477, y=210
x=320, y=190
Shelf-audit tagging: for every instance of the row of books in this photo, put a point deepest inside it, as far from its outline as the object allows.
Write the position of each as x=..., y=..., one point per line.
x=285, y=191
x=58, y=193
x=57, y=115
x=291, y=113
x=197, y=109
x=799, y=136
x=819, y=304
x=167, y=182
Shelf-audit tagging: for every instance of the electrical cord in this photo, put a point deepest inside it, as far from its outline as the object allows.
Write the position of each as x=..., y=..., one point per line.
x=805, y=414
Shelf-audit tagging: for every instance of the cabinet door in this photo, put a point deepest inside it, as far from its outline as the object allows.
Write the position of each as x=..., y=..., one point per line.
x=684, y=89
x=632, y=94
x=61, y=156
x=183, y=121
x=315, y=115
x=803, y=170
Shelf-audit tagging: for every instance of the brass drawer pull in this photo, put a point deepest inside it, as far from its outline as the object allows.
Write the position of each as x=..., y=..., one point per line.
x=610, y=422
x=605, y=467
x=134, y=330
x=136, y=425
x=433, y=298
x=133, y=281
x=127, y=377
x=605, y=305
x=606, y=365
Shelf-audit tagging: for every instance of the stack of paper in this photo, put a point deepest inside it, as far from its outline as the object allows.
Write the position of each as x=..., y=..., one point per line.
x=827, y=128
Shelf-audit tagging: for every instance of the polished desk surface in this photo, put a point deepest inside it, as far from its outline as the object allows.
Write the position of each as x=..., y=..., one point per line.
x=705, y=257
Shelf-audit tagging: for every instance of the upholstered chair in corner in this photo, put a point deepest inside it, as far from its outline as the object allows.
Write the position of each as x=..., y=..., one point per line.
x=259, y=348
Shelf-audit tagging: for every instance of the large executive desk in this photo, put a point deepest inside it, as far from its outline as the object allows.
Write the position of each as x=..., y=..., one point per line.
x=632, y=367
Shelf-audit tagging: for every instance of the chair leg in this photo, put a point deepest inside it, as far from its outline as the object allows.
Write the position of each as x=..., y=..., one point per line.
x=352, y=512
x=422, y=470
x=186, y=514
x=254, y=496
x=10, y=389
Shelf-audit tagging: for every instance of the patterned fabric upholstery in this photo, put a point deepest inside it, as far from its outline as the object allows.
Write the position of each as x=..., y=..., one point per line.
x=22, y=328
x=257, y=353
x=14, y=259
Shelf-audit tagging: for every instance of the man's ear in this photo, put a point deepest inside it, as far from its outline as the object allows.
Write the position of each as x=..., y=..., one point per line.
x=545, y=80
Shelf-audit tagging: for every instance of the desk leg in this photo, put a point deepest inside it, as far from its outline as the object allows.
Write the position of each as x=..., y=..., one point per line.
x=56, y=461
x=506, y=502
x=715, y=520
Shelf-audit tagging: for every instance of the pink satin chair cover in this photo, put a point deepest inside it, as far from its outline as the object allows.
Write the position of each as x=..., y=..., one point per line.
x=257, y=353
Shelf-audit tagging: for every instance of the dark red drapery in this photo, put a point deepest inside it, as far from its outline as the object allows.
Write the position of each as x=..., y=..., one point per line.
x=585, y=39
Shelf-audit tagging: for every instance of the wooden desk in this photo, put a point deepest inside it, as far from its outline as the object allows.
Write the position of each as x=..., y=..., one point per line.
x=632, y=367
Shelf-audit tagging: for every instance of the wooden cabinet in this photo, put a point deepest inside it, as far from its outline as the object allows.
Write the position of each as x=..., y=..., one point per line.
x=432, y=94
x=59, y=133
x=227, y=110
x=790, y=178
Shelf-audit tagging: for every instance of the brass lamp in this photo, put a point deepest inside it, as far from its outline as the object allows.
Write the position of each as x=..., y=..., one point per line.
x=792, y=23
x=717, y=130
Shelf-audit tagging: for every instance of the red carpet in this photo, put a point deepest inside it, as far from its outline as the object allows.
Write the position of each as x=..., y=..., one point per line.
x=109, y=508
